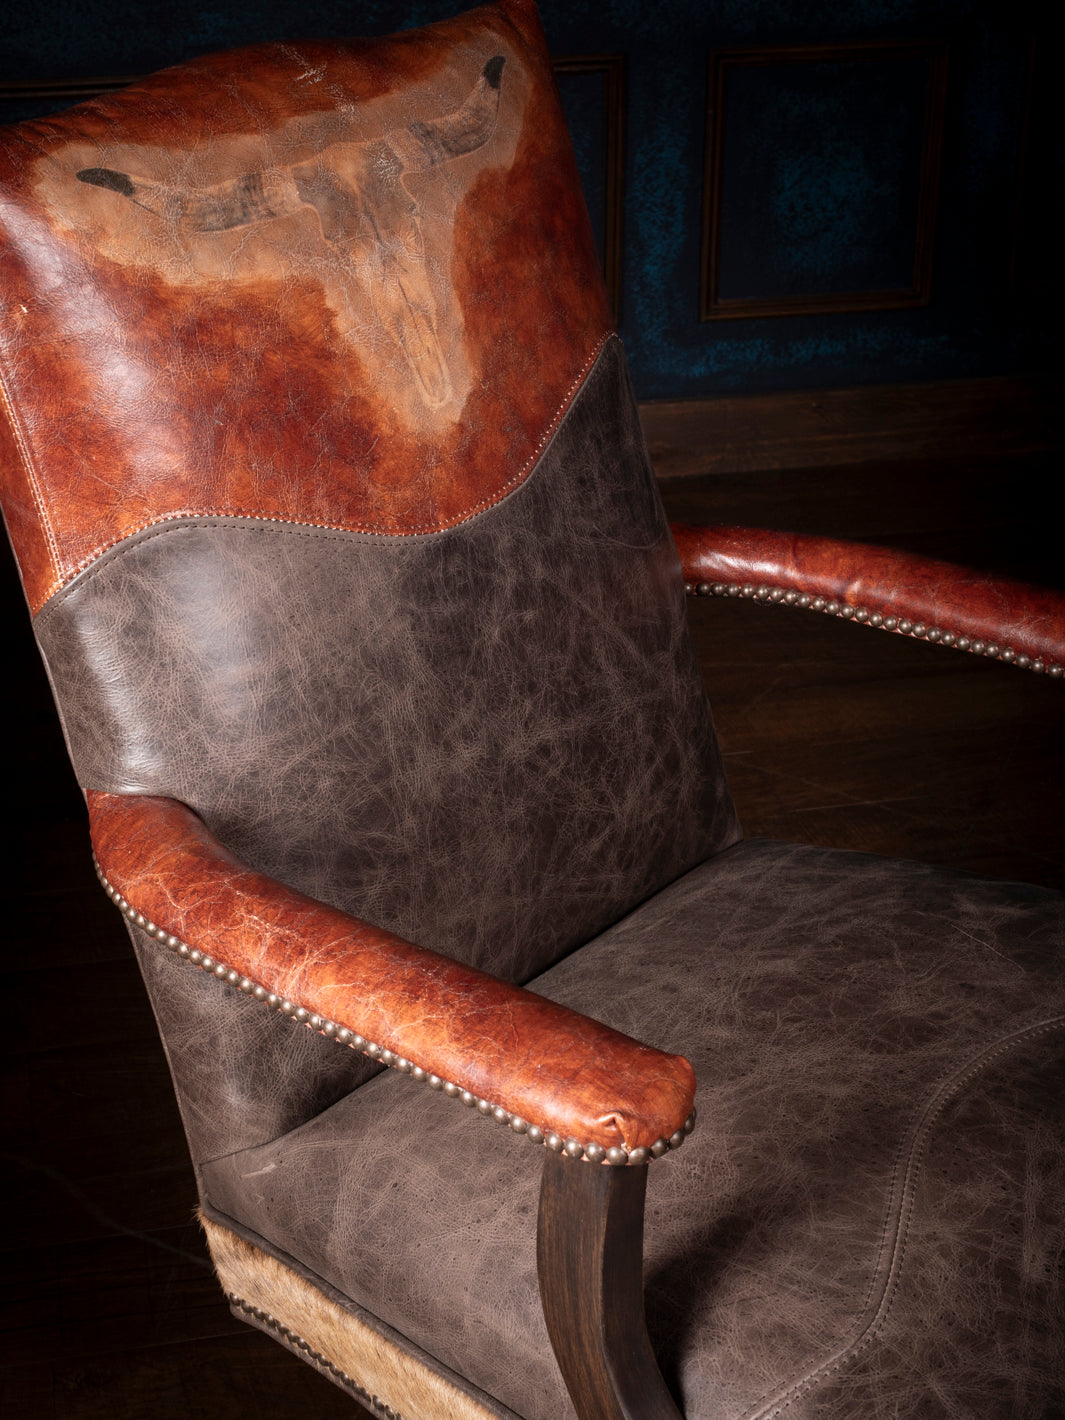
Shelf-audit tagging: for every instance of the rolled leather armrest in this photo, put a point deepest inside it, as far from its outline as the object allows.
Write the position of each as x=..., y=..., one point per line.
x=537, y=1066
x=897, y=591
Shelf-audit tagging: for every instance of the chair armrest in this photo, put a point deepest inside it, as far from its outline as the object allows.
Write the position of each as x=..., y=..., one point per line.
x=876, y=586
x=561, y=1078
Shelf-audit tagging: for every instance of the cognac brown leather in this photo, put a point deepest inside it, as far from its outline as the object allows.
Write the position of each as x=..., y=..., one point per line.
x=997, y=610
x=165, y=250
x=551, y=1067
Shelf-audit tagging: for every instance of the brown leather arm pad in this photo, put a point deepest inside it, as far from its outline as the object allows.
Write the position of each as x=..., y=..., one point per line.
x=542, y=1063
x=918, y=596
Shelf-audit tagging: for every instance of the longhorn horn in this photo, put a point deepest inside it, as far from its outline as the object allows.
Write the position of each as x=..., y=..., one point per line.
x=462, y=131
x=240, y=202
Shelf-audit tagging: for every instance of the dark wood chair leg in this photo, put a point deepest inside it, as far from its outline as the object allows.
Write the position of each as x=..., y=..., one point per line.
x=590, y=1260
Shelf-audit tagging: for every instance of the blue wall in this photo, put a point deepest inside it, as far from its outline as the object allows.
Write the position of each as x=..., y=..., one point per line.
x=820, y=169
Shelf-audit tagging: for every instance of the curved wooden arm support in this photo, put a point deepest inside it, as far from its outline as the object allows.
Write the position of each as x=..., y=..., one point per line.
x=876, y=586
x=589, y=1252
x=537, y=1066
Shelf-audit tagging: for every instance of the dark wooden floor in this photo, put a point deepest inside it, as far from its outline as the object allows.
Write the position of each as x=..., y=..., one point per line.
x=843, y=735
x=833, y=734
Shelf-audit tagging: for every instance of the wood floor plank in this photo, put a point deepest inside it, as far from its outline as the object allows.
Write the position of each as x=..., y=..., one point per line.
x=224, y=1378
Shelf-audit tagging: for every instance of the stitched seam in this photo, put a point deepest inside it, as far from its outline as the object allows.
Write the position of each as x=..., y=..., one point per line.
x=44, y=512
x=918, y=1134
x=180, y=522
x=545, y=438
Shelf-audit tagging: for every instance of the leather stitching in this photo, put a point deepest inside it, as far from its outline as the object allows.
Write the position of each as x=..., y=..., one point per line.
x=918, y=1135
x=496, y=497
x=44, y=513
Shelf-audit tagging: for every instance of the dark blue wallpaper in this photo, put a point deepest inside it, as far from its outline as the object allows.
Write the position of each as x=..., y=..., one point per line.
x=820, y=179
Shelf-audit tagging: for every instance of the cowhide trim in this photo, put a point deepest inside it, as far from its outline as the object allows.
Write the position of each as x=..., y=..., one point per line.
x=368, y=1364
x=295, y=1342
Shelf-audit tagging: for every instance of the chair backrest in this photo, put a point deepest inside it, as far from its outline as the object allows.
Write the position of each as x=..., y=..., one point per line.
x=329, y=494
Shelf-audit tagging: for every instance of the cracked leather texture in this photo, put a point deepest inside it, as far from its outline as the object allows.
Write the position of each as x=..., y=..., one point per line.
x=1030, y=620
x=867, y=1218
x=549, y=1066
x=164, y=250
x=243, y=1074
x=492, y=741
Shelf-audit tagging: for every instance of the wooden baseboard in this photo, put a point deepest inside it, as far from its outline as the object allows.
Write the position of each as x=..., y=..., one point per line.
x=819, y=428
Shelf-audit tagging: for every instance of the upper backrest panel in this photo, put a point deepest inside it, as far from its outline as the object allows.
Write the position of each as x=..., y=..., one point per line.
x=404, y=213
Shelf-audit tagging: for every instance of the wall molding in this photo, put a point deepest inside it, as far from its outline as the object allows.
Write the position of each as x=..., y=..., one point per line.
x=715, y=307
x=612, y=68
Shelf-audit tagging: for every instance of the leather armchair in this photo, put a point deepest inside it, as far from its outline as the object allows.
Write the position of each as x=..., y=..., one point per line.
x=368, y=633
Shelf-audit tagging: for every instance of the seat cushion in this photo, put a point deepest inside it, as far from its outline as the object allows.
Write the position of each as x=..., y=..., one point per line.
x=866, y=1221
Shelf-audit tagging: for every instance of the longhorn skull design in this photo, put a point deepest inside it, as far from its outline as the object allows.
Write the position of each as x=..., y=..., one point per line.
x=364, y=209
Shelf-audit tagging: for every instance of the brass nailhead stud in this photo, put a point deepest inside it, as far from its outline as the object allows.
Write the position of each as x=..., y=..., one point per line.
x=594, y=1153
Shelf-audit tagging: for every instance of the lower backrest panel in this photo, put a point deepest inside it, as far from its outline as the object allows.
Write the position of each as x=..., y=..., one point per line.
x=493, y=740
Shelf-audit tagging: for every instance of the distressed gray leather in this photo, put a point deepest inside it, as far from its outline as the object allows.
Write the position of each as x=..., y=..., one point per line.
x=493, y=740
x=867, y=1220
x=243, y=1076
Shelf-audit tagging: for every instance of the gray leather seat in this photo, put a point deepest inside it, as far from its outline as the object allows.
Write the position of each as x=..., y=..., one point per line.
x=880, y=1121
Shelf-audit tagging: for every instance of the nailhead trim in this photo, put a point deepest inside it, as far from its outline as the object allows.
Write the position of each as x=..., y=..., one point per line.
x=297, y=1342
x=789, y=597
x=573, y=1148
